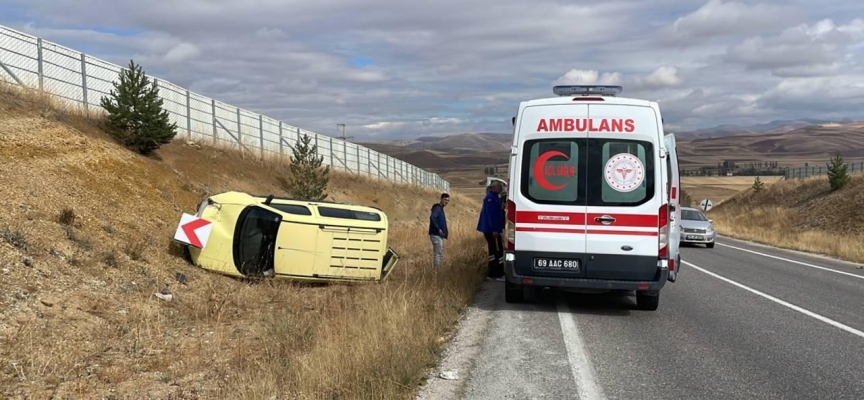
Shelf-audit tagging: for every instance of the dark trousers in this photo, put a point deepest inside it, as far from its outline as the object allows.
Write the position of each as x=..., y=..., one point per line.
x=496, y=255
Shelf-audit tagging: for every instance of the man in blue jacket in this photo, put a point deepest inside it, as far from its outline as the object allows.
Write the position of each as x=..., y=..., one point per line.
x=438, y=229
x=491, y=223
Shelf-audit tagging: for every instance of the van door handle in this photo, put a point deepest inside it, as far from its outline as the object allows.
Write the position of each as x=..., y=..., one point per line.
x=605, y=220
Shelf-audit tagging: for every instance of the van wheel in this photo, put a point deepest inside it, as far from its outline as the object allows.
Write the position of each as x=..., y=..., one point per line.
x=513, y=293
x=647, y=302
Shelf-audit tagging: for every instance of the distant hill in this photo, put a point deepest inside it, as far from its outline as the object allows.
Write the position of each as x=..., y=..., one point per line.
x=811, y=142
x=776, y=126
x=463, y=143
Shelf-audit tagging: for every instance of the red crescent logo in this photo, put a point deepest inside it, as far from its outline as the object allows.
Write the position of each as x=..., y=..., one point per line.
x=538, y=170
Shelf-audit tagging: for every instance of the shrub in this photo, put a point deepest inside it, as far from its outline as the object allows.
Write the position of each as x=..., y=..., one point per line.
x=758, y=185
x=135, y=115
x=685, y=200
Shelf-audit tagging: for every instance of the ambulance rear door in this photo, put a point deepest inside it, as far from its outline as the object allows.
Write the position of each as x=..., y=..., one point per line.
x=624, y=192
x=548, y=191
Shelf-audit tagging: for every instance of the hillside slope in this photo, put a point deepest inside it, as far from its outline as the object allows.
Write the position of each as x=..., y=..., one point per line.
x=803, y=215
x=815, y=142
x=85, y=243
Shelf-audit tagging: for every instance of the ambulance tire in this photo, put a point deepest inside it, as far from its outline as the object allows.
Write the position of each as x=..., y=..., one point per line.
x=647, y=302
x=513, y=293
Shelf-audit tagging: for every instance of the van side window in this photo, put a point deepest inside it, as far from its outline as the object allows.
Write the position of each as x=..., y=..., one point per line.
x=621, y=172
x=333, y=212
x=291, y=209
x=552, y=169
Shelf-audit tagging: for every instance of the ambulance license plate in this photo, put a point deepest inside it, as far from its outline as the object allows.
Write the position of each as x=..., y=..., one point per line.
x=562, y=264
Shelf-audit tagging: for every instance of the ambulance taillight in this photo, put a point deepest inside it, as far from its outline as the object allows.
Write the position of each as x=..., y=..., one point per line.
x=510, y=229
x=663, y=230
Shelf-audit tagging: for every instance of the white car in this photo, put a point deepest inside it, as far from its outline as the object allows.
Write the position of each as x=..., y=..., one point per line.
x=696, y=228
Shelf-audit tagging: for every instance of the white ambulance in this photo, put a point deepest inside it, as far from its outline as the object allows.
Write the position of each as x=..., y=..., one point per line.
x=593, y=196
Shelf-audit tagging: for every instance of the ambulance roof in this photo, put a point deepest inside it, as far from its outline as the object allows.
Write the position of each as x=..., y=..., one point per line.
x=588, y=94
x=564, y=100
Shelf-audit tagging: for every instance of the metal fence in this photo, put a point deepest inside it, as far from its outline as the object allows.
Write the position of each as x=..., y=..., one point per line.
x=82, y=79
x=810, y=171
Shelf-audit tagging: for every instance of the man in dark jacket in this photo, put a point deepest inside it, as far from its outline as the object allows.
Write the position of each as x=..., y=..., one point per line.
x=491, y=223
x=438, y=229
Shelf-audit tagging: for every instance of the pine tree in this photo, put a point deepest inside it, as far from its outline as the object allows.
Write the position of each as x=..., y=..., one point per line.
x=838, y=172
x=758, y=185
x=135, y=114
x=308, y=179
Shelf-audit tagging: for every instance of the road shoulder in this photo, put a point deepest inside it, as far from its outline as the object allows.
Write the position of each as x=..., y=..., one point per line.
x=465, y=346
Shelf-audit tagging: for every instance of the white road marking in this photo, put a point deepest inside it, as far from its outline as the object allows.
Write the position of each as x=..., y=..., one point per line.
x=792, y=261
x=577, y=357
x=824, y=319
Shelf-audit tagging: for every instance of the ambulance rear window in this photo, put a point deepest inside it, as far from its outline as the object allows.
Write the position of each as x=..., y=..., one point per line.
x=551, y=170
x=621, y=172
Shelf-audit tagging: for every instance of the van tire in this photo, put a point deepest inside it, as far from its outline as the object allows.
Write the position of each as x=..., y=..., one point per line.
x=647, y=302
x=710, y=245
x=513, y=293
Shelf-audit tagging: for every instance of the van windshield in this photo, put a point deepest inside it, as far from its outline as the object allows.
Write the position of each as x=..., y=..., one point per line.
x=255, y=239
x=593, y=172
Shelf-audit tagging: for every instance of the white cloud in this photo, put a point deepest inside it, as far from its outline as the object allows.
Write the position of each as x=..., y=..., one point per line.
x=803, y=50
x=662, y=77
x=718, y=18
x=389, y=68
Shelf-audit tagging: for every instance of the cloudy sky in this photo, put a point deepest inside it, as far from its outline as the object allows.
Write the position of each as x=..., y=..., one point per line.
x=398, y=69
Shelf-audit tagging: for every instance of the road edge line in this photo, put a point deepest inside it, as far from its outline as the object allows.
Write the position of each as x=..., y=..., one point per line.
x=577, y=356
x=792, y=261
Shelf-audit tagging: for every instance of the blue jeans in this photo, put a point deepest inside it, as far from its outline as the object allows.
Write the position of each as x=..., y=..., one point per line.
x=437, y=250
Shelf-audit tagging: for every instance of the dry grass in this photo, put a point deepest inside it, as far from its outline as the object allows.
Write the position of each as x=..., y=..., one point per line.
x=719, y=188
x=801, y=215
x=86, y=239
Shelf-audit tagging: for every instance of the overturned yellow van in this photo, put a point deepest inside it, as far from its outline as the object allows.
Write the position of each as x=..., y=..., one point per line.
x=243, y=235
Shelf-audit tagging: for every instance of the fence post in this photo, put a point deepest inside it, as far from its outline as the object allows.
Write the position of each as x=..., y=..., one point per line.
x=39, y=64
x=213, y=111
x=84, y=81
x=281, y=142
x=239, y=132
x=380, y=170
x=261, y=133
x=359, y=170
x=188, y=115
x=331, y=150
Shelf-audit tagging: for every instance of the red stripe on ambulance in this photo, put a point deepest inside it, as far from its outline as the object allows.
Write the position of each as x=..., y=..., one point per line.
x=583, y=231
x=626, y=220
x=627, y=125
x=566, y=218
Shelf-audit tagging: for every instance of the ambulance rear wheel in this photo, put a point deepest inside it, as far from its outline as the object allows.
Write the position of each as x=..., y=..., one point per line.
x=513, y=293
x=647, y=302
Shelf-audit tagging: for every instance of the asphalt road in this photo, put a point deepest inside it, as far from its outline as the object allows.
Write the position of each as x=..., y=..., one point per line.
x=743, y=321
